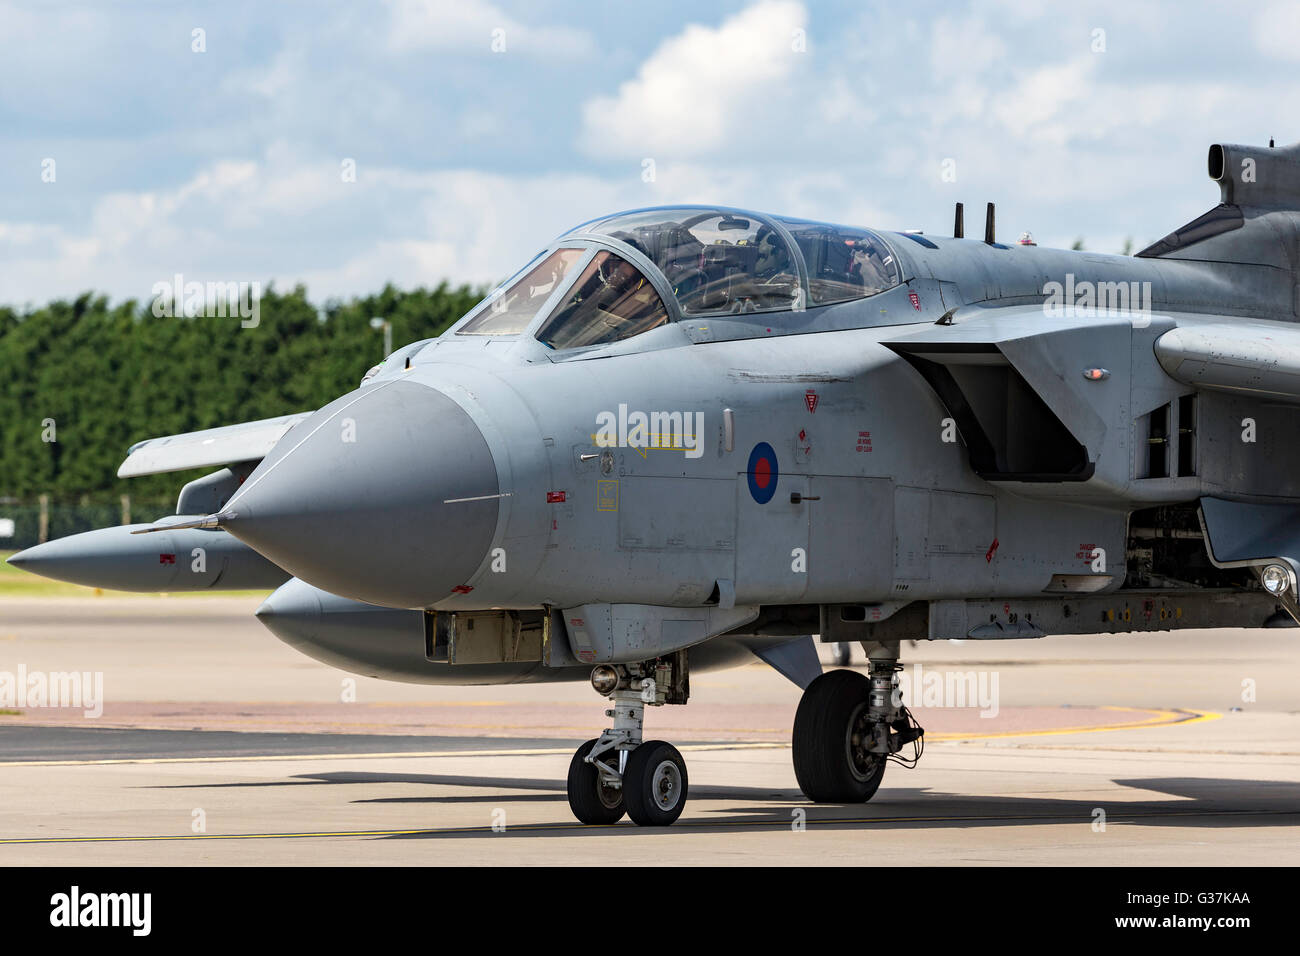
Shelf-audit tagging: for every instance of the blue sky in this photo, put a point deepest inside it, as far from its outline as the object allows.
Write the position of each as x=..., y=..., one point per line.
x=229, y=164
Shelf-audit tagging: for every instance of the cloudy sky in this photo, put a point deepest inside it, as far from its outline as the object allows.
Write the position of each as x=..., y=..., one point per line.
x=348, y=145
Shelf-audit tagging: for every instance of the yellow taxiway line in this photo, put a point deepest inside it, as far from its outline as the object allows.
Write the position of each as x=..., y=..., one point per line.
x=1158, y=718
x=1116, y=816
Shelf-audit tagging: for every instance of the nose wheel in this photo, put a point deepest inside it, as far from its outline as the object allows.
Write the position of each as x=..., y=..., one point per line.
x=619, y=773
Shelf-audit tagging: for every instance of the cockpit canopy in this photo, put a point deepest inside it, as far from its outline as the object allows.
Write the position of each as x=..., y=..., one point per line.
x=714, y=261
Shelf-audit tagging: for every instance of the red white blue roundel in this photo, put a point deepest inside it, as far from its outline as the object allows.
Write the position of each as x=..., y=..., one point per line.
x=763, y=473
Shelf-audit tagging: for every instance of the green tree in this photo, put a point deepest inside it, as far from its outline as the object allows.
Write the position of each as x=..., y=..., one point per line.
x=108, y=376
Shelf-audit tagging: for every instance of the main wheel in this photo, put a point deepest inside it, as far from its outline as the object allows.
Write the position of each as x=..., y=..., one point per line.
x=842, y=655
x=831, y=733
x=655, y=784
x=592, y=800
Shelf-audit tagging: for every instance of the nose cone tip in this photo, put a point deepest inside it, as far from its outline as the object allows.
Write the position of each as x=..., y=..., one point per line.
x=50, y=559
x=103, y=558
x=292, y=612
x=355, y=499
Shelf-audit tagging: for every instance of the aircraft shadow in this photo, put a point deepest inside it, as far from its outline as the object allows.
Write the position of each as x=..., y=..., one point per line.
x=1190, y=802
x=546, y=789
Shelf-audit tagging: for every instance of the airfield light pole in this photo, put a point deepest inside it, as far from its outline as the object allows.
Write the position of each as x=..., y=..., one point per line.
x=387, y=326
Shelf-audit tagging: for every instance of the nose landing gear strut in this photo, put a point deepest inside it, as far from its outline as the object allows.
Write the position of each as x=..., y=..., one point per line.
x=618, y=772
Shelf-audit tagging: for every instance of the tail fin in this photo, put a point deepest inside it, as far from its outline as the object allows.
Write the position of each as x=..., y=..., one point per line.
x=1257, y=223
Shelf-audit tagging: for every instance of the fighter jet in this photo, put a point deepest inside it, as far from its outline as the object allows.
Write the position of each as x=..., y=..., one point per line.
x=684, y=435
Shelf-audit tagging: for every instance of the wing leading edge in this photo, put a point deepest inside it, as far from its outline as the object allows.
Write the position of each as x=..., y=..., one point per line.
x=1242, y=355
x=229, y=444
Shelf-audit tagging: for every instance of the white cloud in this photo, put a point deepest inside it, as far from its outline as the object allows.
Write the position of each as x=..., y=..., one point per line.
x=291, y=218
x=1044, y=95
x=963, y=48
x=288, y=218
x=706, y=88
x=469, y=161
x=460, y=25
x=268, y=81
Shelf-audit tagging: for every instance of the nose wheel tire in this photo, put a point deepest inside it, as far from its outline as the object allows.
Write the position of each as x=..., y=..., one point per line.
x=591, y=798
x=655, y=784
x=831, y=733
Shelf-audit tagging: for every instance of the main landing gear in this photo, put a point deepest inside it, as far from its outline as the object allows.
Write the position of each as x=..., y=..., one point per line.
x=620, y=773
x=848, y=726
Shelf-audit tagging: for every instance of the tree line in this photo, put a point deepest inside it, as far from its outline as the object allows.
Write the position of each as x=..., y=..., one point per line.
x=82, y=380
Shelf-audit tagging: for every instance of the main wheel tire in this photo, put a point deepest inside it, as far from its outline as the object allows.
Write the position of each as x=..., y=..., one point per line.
x=590, y=798
x=829, y=729
x=842, y=655
x=655, y=784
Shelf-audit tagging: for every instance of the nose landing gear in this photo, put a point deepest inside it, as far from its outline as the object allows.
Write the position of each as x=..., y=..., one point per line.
x=618, y=772
x=848, y=726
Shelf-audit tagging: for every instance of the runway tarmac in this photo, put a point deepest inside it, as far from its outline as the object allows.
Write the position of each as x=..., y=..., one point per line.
x=219, y=745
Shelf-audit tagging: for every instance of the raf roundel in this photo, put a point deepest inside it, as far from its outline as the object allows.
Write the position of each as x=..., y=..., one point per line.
x=763, y=473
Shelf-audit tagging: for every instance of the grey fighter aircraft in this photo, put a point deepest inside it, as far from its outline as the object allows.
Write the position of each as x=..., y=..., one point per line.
x=682, y=436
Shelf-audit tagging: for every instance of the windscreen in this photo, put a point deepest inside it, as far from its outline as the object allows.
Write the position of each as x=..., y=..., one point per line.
x=611, y=300
x=509, y=310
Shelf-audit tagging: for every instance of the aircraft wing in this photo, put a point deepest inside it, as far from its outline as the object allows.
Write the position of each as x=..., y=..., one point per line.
x=1226, y=353
x=1011, y=371
x=248, y=441
x=1239, y=355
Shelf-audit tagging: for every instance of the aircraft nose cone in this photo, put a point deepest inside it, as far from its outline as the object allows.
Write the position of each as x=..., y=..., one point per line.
x=292, y=612
x=351, y=635
x=361, y=498
x=40, y=558
x=104, y=558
